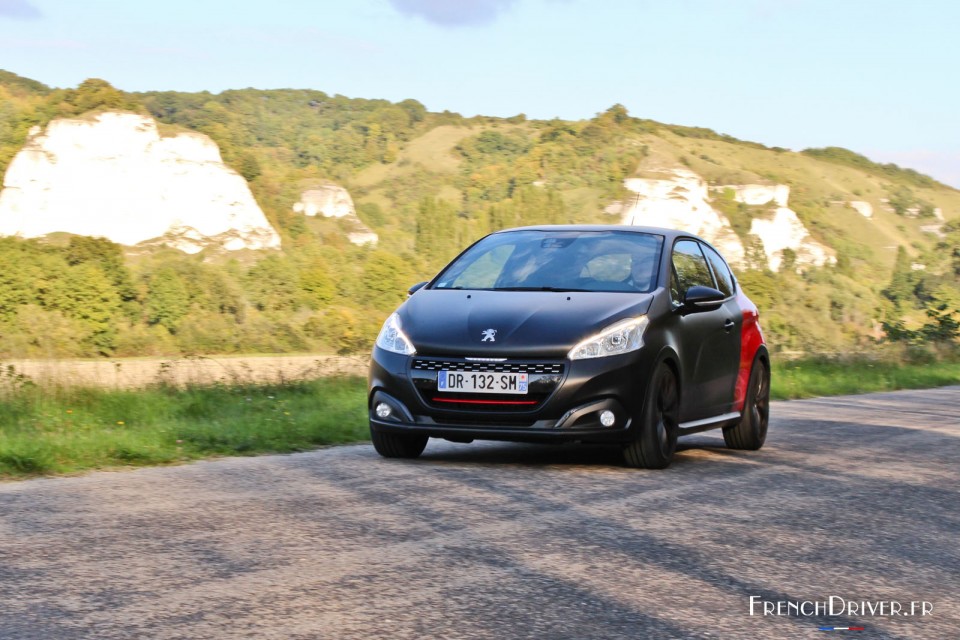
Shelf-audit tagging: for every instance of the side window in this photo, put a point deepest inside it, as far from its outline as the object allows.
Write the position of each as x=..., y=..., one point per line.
x=690, y=266
x=720, y=270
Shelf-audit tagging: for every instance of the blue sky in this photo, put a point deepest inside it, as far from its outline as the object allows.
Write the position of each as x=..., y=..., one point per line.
x=876, y=76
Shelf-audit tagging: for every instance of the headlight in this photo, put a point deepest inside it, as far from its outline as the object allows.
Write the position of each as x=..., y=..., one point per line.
x=391, y=338
x=622, y=337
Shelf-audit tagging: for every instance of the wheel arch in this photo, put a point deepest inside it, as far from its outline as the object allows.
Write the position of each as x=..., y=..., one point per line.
x=763, y=355
x=670, y=357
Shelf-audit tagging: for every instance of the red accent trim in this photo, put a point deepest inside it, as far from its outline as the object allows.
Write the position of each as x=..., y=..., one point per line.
x=527, y=402
x=751, y=338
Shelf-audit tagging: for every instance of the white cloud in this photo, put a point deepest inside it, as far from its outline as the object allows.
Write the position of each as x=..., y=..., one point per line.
x=19, y=9
x=453, y=13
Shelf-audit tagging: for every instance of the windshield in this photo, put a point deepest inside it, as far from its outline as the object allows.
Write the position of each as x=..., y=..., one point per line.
x=538, y=260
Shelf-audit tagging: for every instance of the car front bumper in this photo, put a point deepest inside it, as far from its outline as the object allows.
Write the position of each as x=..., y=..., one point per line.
x=569, y=408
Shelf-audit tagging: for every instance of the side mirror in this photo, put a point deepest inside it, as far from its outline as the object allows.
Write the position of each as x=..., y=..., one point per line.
x=699, y=298
x=412, y=290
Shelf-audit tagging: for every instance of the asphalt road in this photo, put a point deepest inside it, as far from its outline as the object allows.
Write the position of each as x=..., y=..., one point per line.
x=853, y=497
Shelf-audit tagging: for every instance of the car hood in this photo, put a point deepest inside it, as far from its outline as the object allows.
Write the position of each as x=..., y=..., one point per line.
x=526, y=323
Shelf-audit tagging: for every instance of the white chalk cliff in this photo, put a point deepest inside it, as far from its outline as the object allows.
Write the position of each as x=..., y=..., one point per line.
x=759, y=194
x=329, y=201
x=333, y=201
x=113, y=175
x=863, y=208
x=785, y=231
x=681, y=200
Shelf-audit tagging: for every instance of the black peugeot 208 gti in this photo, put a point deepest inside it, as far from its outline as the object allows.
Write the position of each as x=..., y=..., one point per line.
x=601, y=334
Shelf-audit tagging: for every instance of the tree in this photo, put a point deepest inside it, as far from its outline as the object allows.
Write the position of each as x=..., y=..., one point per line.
x=903, y=281
x=435, y=234
x=17, y=280
x=168, y=300
x=106, y=255
x=415, y=110
x=318, y=286
x=47, y=333
x=96, y=94
x=902, y=200
x=386, y=278
x=86, y=294
x=250, y=167
x=273, y=285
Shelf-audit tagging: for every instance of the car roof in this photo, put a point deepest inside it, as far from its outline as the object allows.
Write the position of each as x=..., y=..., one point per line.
x=669, y=234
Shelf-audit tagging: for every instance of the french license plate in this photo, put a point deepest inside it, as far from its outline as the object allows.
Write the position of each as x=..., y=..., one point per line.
x=465, y=381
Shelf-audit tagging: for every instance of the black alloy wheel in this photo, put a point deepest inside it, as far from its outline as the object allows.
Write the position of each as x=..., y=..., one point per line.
x=657, y=440
x=751, y=432
x=392, y=445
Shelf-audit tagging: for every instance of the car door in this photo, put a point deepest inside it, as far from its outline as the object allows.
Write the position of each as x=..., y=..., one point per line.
x=729, y=355
x=709, y=340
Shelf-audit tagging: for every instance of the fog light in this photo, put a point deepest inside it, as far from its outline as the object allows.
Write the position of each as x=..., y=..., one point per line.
x=383, y=410
x=607, y=418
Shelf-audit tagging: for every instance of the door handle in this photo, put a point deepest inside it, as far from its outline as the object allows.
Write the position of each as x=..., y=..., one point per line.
x=728, y=324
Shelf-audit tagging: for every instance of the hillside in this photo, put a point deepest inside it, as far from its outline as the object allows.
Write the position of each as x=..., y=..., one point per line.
x=113, y=175
x=369, y=196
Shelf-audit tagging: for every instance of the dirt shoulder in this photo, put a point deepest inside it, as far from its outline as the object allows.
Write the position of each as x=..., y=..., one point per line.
x=134, y=373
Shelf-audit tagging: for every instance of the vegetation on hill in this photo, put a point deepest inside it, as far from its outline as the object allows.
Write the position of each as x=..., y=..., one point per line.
x=849, y=158
x=429, y=184
x=26, y=103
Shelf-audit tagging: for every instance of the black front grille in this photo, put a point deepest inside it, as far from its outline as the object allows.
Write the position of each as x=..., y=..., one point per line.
x=544, y=378
x=422, y=364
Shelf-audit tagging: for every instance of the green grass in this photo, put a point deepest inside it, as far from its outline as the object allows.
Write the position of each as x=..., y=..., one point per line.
x=62, y=430
x=810, y=378
x=47, y=431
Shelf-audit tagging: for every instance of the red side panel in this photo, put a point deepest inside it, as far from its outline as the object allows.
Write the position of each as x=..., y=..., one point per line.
x=751, y=338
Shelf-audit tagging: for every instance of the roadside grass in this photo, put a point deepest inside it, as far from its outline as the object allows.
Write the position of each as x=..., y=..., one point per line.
x=58, y=430
x=821, y=377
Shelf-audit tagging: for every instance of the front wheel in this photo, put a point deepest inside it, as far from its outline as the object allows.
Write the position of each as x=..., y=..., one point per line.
x=393, y=445
x=656, y=441
x=751, y=432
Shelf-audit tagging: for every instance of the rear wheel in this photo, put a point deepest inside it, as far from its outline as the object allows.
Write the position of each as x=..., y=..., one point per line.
x=751, y=432
x=393, y=445
x=657, y=439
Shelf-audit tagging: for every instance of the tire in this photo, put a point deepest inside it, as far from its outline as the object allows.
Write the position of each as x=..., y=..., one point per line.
x=751, y=432
x=656, y=441
x=392, y=445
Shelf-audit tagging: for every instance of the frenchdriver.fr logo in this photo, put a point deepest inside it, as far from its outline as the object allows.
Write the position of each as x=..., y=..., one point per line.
x=835, y=606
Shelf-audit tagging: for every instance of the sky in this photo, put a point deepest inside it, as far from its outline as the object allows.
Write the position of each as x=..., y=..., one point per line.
x=879, y=77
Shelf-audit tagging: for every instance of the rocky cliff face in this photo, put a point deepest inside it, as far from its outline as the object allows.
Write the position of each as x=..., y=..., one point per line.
x=113, y=175
x=680, y=199
x=863, y=208
x=329, y=201
x=333, y=201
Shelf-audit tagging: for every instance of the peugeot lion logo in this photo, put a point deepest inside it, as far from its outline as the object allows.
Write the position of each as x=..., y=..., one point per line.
x=489, y=335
